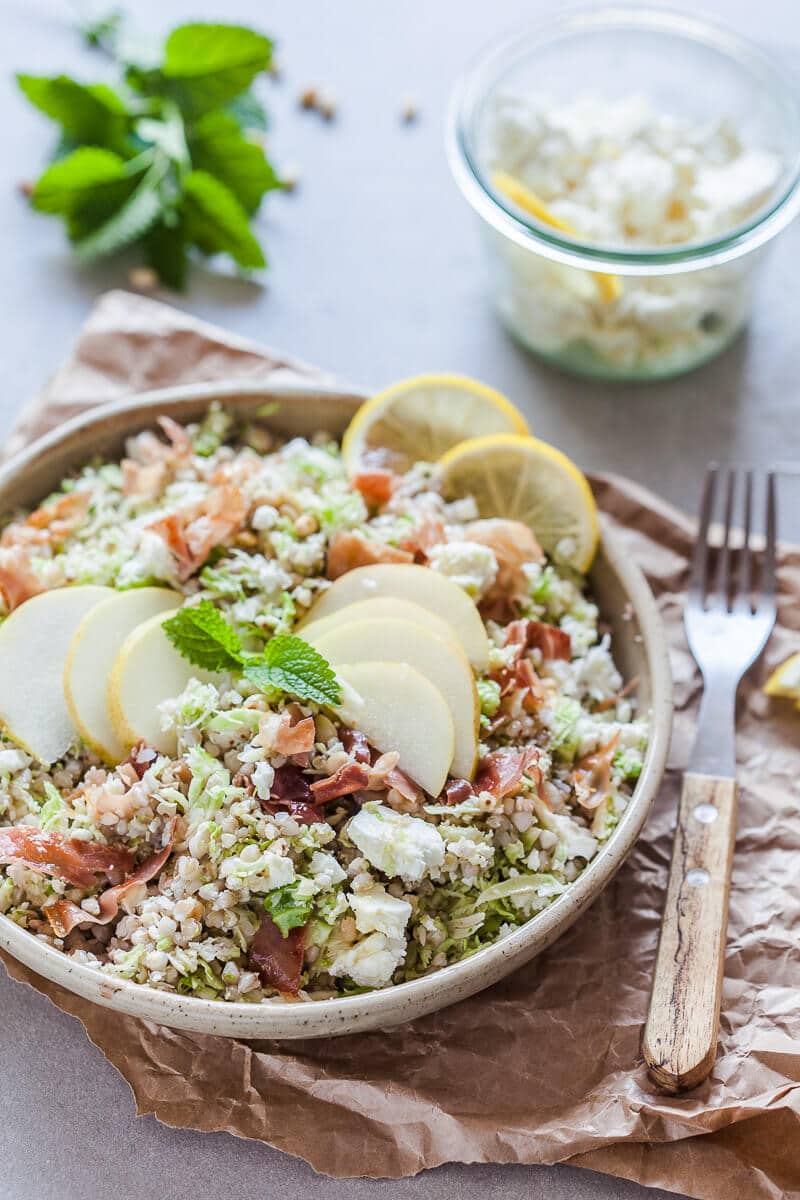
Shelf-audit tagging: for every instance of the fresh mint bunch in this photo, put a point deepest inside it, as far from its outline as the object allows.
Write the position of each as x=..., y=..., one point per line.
x=200, y=633
x=167, y=159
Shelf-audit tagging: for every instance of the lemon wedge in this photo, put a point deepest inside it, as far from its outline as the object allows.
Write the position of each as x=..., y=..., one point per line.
x=419, y=419
x=524, y=479
x=609, y=286
x=785, y=680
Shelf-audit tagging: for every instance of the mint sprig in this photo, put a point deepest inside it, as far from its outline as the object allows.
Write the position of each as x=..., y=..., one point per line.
x=168, y=159
x=200, y=633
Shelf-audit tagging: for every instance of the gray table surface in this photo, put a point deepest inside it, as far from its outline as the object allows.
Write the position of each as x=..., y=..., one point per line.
x=376, y=274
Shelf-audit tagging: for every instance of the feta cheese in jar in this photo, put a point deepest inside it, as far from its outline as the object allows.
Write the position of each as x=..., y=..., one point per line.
x=622, y=175
x=626, y=205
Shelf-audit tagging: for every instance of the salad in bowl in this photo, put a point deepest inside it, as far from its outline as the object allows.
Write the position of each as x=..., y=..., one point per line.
x=294, y=718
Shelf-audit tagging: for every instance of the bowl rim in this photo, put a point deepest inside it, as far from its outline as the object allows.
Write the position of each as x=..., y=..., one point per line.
x=503, y=216
x=382, y=1008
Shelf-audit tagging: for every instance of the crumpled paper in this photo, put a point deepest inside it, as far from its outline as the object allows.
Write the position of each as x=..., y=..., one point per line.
x=544, y=1067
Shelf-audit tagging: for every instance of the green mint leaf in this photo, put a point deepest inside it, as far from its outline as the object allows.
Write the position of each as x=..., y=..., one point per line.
x=287, y=909
x=293, y=666
x=92, y=114
x=205, y=66
x=81, y=175
x=248, y=112
x=138, y=214
x=200, y=633
x=218, y=147
x=165, y=252
x=86, y=188
x=216, y=222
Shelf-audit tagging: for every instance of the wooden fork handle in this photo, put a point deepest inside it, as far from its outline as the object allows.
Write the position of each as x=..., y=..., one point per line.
x=680, y=1035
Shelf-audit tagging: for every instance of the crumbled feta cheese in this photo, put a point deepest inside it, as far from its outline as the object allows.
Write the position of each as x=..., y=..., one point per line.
x=13, y=760
x=572, y=838
x=263, y=777
x=378, y=912
x=326, y=870
x=372, y=961
x=152, y=560
x=396, y=843
x=472, y=566
x=623, y=175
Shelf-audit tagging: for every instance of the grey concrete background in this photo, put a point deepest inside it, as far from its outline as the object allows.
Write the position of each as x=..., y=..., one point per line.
x=376, y=273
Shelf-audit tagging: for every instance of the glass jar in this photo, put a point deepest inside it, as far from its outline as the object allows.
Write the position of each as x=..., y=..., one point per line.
x=669, y=307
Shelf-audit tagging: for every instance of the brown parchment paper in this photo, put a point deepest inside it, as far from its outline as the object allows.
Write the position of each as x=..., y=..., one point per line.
x=544, y=1067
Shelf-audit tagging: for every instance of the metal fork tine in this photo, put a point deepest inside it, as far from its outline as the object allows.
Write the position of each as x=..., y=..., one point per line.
x=744, y=595
x=697, y=576
x=768, y=571
x=723, y=584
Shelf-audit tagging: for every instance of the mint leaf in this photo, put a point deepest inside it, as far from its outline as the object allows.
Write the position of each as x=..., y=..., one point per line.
x=293, y=666
x=205, y=66
x=216, y=221
x=165, y=251
x=248, y=112
x=86, y=188
x=138, y=214
x=218, y=147
x=200, y=633
x=67, y=183
x=88, y=113
x=287, y=910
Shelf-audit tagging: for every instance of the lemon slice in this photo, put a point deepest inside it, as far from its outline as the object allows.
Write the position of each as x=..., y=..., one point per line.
x=526, y=480
x=419, y=419
x=785, y=680
x=608, y=286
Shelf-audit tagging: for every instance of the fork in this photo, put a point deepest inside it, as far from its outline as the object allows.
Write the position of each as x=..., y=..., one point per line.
x=727, y=621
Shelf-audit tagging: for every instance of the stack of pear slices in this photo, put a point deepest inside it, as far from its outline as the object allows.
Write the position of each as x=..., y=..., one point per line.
x=91, y=662
x=96, y=663
x=404, y=640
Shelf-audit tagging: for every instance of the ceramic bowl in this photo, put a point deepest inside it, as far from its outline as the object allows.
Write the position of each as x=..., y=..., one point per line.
x=639, y=647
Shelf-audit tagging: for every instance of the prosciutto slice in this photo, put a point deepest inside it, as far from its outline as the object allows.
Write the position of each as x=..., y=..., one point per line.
x=195, y=530
x=349, y=549
x=501, y=771
x=64, y=915
x=592, y=775
x=291, y=792
x=538, y=635
x=76, y=862
x=52, y=523
x=356, y=745
x=456, y=791
x=18, y=580
x=420, y=541
x=351, y=777
x=295, y=736
x=514, y=545
x=278, y=959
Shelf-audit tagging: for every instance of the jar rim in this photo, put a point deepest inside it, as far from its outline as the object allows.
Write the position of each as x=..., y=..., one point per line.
x=500, y=213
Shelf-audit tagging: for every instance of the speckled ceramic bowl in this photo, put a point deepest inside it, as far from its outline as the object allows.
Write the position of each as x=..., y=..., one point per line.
x=639, y=647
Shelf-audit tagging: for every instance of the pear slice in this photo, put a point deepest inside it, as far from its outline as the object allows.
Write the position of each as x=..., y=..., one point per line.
x=420, y=585
x=381, y=606
x=397, y=708
x=147, y=670
x=391, y=639
x=92, y=652
x=34, y=641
